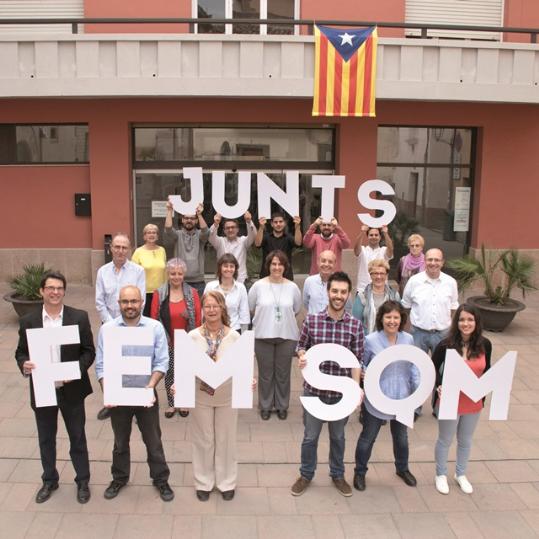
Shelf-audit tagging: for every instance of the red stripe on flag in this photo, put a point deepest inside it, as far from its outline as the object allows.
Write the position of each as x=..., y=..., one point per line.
x=337, y=85
x=367, y=81
x=353, y=85
x=323, y=80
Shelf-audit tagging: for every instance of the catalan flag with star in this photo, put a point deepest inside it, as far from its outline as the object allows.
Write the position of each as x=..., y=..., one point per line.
x=345, y=71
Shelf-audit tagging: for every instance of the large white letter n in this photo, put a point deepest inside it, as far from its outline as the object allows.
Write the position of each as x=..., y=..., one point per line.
x=459, y=377
x=191, y=362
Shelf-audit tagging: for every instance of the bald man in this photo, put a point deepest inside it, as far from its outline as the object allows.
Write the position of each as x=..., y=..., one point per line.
x=432, y=298
x=315, y=294
x=121, y=417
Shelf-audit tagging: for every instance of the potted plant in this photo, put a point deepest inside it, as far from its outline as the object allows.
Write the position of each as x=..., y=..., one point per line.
x=499, y=273
x=25, y=296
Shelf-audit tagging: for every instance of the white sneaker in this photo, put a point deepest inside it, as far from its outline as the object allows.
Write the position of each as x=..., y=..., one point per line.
x=464, y=484
x=441, y=484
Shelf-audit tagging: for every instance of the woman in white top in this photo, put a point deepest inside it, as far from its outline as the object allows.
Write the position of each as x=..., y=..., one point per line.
x=235, y=293
x=275, y=302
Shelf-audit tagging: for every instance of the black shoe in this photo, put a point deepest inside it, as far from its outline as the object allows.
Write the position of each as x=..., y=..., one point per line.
x=166, y=493
x=282, y=414
x=83, y=492
x=104, y=413
x=408, y=478
x=169, y=414
x=44, y=493
x=184, y=413
x=112, y=490
x=203, y=495
x=228, y=495
x=359, y=482
x=265, y=414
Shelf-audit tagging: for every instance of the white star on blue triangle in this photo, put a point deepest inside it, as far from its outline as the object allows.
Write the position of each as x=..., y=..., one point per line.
x=347, y=41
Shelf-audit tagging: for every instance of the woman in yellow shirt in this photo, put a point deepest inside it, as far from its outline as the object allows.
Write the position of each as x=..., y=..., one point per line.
x=153, y=259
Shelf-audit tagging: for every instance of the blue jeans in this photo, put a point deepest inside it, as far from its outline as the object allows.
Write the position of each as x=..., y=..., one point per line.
x=365, y=443
x=427, y=340
x=309, y=446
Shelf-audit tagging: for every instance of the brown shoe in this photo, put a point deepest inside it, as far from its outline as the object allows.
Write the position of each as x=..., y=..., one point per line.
x=342, y=486
x=300, y=486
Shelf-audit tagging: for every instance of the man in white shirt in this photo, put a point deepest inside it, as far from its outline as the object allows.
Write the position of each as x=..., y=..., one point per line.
x=371, y=251
x=432, y=298
x=315, y=293
x=111, y=278
x=232, y=243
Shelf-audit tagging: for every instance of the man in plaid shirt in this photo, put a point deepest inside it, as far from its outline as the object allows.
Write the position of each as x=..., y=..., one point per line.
x=332, y=325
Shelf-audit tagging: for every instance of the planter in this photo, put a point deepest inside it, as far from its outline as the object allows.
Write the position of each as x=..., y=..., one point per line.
x=496, y=317
x=23, y=306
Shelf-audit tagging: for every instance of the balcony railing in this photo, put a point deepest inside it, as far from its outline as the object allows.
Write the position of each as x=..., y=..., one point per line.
x=308, y=23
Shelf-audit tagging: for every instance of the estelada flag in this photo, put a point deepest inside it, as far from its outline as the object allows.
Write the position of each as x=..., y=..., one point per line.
x=345, y=71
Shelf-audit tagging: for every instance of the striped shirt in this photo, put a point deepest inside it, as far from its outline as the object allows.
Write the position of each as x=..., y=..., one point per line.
x=321, y=328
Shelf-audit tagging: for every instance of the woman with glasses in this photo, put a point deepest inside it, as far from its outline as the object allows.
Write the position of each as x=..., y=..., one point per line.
x=375, y=293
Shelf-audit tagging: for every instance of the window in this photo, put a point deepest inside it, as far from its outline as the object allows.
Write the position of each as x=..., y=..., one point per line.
x=431, y=171
x=238, y=147
x=25, y=144
x=245, y=9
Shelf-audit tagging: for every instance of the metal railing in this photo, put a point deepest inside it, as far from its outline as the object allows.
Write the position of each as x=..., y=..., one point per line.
x=309, y=23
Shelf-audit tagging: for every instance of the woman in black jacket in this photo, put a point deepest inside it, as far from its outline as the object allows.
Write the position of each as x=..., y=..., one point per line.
x=465, y=336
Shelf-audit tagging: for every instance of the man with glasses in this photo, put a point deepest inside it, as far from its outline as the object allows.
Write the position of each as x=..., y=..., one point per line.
x=70, y=395
x=190, y=242
x=233, y=244
x=371, y=251
x=121, y=417
x=110, y=279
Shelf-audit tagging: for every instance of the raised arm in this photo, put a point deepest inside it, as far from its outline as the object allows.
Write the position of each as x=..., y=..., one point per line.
x=308, y=239
x=388, y=241
x=360, y=239
x=341, y=234
x=298, y=238
x=251, y=229
x=260, y=232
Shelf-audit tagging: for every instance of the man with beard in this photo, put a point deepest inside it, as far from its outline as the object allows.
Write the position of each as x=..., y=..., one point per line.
x=232, y=243
x=278, y=240
x=331, y=238
x=190, y=243
x=147, y=417
x=332, y=325
x=371, y=251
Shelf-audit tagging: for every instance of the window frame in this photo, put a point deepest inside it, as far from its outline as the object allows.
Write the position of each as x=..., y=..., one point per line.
x=229, y=12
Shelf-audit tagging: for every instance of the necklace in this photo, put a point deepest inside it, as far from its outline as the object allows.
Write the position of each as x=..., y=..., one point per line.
x=277, y=302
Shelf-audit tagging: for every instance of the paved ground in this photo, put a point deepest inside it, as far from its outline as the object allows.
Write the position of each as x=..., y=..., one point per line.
x=504, y=471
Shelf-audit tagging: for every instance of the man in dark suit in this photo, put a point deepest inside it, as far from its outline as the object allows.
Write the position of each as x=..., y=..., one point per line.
x=70, y=394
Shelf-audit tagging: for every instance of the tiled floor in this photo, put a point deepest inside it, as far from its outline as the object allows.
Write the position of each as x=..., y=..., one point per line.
x=504, y=470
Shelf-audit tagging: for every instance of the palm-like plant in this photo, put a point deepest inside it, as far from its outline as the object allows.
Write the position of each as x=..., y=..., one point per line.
x=516, y=271
x=26, y=285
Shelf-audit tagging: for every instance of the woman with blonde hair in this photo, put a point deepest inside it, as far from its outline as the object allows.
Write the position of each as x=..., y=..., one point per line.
x=153, y=259
x=374, y=295
x=413, y=262
x=214, y=422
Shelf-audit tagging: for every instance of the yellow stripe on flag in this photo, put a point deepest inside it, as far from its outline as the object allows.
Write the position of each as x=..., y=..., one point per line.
x=372, y=106
x=316, y=95
x=330, y=80
x=345, y=89
x=360, y=80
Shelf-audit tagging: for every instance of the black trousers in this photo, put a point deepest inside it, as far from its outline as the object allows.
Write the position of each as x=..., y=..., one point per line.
x=47, y=426
x=121, y=419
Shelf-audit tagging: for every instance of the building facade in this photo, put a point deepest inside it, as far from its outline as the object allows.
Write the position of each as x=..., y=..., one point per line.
x=96, y=127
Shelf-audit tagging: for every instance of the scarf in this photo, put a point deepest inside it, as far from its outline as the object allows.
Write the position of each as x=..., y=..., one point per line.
x=414, y=264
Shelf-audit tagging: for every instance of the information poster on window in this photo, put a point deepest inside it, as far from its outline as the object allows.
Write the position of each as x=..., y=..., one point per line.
x=159, y=208
x=461, y=221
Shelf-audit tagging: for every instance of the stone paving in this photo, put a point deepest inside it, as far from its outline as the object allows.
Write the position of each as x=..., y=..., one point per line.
x=504, y=470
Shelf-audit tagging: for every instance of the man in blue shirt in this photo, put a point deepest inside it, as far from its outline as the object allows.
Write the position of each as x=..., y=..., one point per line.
x=130, y=302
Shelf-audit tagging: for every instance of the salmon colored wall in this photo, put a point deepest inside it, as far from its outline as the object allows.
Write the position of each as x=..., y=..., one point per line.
x=37, y=206
x=521, y=14
x=507, y=155
x=356, y=10
x=137, y=9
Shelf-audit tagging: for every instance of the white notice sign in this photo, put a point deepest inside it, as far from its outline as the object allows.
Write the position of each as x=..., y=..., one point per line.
x=461, y=221
x=159, y=208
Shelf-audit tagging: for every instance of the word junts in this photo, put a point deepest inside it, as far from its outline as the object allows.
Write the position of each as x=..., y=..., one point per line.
x=237, y=364
x=288, y=199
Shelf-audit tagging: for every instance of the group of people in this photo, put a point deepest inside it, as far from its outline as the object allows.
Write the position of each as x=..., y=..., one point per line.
x=150, y=291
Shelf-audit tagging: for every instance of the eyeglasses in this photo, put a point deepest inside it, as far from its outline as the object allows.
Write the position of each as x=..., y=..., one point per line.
x=211, y=307
x=373, y=274
x=130, y=301
x=54, y=288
